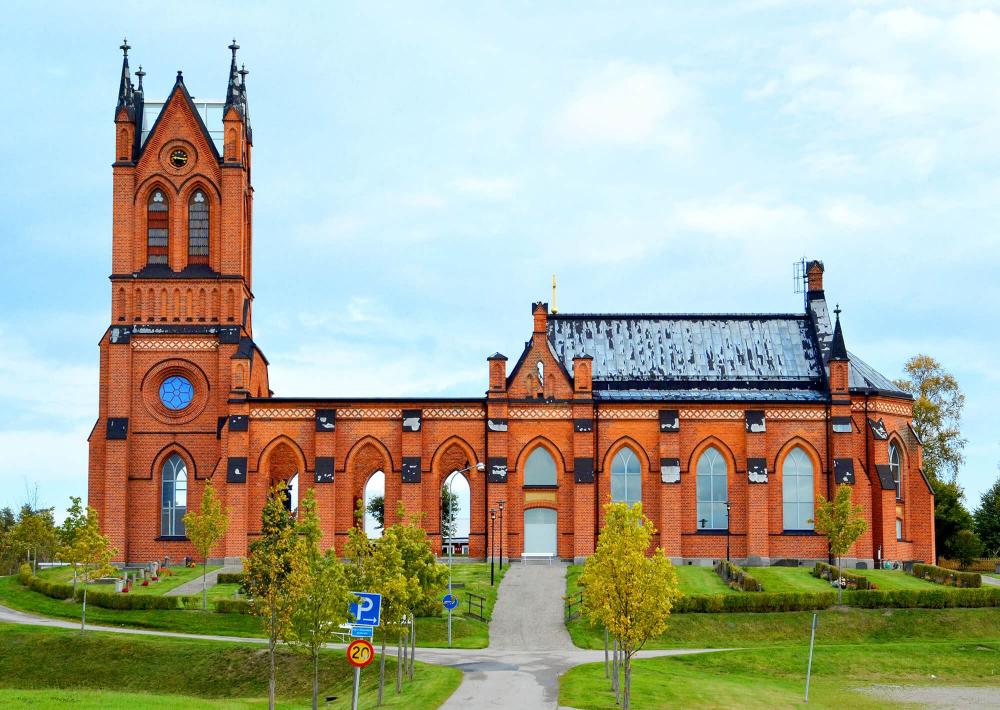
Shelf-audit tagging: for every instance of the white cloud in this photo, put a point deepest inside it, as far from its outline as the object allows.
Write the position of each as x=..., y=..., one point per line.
x=630, y=104
x=742, y=216
x=423, y=200
x=487, y=188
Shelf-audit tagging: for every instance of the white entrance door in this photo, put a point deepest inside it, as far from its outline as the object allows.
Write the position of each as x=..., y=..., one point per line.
x=540, y=531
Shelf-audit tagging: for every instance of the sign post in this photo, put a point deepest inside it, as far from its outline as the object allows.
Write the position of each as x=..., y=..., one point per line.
x=812, y=640
x=359, y=654
x=449, y=601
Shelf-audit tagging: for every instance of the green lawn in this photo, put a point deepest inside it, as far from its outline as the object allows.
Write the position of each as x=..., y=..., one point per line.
x=183, y=673
x=694, y=579
x=788, y=579
x=888, y=580
x=223, y=591
x=776, y=679
x=177, y=577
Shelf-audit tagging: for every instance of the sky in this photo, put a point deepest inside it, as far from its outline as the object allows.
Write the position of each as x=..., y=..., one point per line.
x=421, y=171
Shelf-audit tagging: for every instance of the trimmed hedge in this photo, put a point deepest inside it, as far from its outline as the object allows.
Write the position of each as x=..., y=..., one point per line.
x=983, y=564
x=947, y=577
x=808, y=601
x=737, y=577
x=232, y=606
x=831, y=573
x=231, y=578
x=110, y=600
x=55, y=590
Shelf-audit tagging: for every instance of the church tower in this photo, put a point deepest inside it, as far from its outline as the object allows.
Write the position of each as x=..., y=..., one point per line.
x=178, y=356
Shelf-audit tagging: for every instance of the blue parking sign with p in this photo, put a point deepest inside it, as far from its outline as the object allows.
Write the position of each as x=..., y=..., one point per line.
x=368, y=609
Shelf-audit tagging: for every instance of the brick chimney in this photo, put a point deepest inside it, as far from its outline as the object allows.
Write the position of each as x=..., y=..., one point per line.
x=814, y=275
x=498, y=372
x=541, y=312
x=582, y=373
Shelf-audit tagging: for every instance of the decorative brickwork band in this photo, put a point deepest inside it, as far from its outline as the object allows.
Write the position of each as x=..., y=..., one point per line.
x=792, y=414
x=291, y=413
x=359, y=413
x=711, y=414
x=883, y=407
x=174, y=344
x=583, y=470
x=236, y=470
x=627, y=413
x=411, y=469
x=453, y=413
x=324, y=469
x=539, y=412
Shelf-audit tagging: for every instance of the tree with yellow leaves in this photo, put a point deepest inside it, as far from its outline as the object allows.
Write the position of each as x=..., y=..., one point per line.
x=204, y=528
x=89, y=550
x=627, y=591
x=840, y=520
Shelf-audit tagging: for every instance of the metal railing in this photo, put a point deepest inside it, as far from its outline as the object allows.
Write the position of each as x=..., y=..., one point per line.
x=572, y=606
x=476, y=606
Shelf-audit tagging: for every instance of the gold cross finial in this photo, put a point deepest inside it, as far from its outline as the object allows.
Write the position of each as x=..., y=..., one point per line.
x=555, y=308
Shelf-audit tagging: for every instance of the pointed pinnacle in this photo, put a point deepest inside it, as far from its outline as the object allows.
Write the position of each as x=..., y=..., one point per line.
x=234, y=47
x=124, y=46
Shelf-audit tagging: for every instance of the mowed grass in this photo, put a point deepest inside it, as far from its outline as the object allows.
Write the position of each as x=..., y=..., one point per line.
x=177, y=577
x=836, y=626
x=166, y=672
x=788, y=579
x=889, y=580
x=692, y=579
x=776, y=679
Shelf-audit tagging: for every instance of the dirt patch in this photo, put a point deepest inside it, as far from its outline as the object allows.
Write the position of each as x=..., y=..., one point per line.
x=949, y=696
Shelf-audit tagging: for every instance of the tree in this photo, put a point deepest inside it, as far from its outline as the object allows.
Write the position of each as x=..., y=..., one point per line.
x=950, y=516
x=967, y=548
x=205, y=528
x=629, y=593
x=91, y=551
x=269, y=575
x=449, y=511
x=987, y=520
x=376, y=509
x=34, y=536
x=840, y=520
x=323, y=597
x=8, y=556
x=76, y=519
x=937, y=414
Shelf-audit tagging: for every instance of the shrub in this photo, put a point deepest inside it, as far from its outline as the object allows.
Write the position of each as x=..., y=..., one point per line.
x=830, y=573
x=231, y=578
x=947, y=577
x=807, y=601
x=232, y=606
x=983, y=564
x=49, y=589
x=24, y=573
x=134, y=602
x=737, y=577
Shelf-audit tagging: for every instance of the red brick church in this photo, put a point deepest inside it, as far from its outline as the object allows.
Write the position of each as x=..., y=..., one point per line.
x=727, y=427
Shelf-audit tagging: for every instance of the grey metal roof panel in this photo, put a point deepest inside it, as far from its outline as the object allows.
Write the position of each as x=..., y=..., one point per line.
x=863, y=376
x=711, y=348
x=710, y=395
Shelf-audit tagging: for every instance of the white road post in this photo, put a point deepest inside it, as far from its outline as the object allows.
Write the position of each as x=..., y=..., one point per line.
x=812, y=641
x=357, y=683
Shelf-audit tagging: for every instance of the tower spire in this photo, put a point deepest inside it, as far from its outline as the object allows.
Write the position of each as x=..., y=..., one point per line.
x=838, y=350
x=126, y=96
x=236, y=90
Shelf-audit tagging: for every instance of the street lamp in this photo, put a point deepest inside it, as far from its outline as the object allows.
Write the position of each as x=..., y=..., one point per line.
x=451, y=538
x=493, y=541
x=500, y=505
x=727, y=531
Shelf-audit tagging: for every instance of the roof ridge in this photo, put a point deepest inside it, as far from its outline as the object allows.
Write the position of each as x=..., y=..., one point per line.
x=676, y=316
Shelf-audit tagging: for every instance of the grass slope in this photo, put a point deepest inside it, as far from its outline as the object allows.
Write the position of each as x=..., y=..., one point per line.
x=178, y=576
x=776, y=679
x=52, y=662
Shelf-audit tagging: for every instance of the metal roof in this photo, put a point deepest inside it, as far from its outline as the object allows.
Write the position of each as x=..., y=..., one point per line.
x=711, y=395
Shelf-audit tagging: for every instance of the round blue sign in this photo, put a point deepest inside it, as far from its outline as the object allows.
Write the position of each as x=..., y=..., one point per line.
x=176, y=392
x=450, y=601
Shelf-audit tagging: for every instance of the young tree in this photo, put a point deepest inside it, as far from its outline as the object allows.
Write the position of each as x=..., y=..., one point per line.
x=323, y=597
x=205, y=528
x=840, y=521
x=76, y=519
x=627, y=591
x=269, y=575
x=449, y=511
x=967, y=548
x=987, y=520
x=937, y=415
x=34, y=536
x=950, y=516
x=92, y=553
x=8, y=556
x=376, y=509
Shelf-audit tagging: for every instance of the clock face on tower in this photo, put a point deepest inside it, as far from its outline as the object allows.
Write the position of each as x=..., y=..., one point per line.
x=178, y=158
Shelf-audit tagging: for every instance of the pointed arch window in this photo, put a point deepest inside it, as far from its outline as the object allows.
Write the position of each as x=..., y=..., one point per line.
x=712, y=490
x=157, y=228
x=173, y=501
x=540, y=468
x=797, y=490
x=198, y=228
x=626, y=477
x=896, y=467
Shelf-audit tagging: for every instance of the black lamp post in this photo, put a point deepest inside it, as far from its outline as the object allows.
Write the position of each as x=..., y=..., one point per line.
x=493, y=542
x=727, y=531
x=500, y=505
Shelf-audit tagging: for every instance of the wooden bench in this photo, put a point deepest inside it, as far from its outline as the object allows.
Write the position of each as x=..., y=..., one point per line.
x=529, y=556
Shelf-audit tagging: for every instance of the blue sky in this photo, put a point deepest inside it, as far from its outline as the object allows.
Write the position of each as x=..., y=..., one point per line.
x=420, y=173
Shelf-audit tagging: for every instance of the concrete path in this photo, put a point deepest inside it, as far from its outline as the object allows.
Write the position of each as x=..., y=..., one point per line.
x=195, y=585
x=991, y=581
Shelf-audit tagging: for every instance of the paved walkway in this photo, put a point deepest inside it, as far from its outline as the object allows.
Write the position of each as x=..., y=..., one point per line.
x=991, y=581
x=195, y=585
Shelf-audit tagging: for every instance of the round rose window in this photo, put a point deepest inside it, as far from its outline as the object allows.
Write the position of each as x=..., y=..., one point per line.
x=176, y=392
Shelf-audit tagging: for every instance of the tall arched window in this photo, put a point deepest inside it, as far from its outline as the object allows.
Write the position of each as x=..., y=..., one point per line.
x=173, y=503
x=198, y=228
x=712, y=490
x=157, y=228
x=626, y=477
x=895, y=465
x=540, y=468
x=797, y=490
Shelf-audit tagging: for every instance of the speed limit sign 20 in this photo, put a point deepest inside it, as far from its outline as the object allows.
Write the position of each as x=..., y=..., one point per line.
x=360, y=653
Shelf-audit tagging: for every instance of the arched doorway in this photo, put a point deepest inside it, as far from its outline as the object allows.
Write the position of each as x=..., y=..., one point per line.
x=540, y=531
x=455, y=513
x=374, y=496
x=283, y=467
